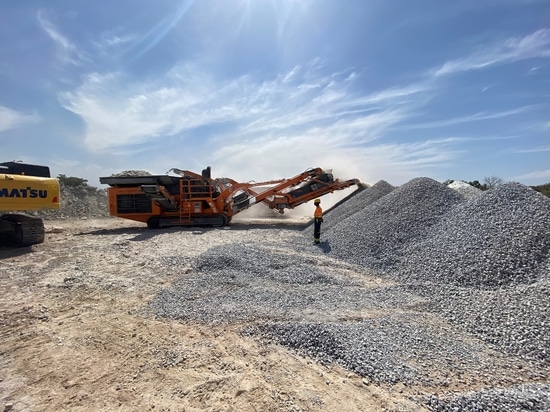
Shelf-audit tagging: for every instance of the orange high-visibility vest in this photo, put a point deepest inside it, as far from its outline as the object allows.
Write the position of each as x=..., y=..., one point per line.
x=318, y=214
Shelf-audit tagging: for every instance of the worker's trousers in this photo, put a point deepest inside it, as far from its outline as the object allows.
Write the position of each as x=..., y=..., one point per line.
x=317, y=230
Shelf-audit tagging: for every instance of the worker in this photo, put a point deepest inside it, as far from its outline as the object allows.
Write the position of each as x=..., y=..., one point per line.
x=318, y=219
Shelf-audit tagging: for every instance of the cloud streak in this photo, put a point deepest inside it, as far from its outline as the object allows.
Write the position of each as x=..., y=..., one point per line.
x=534, y=45
x=11, y=119
x=66, y=50
x=542, y=175
x=157, y=33
x=476, y=117
x=136, y=113
x=534, y=150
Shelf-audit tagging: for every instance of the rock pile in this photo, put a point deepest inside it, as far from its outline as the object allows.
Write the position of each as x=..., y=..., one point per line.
x=515, y=398
x=451, y=288
x=84, y=201
x=465, y=189
x=77, y=203
x=356, y=203
x=499, y=238
x=376, y=235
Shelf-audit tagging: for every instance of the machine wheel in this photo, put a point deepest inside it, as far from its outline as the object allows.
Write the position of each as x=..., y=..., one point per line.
x=153, y=222
x=225, y=221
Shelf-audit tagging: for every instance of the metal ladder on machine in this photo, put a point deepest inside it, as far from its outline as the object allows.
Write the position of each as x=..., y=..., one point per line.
x=193, y=193
x=185, y=201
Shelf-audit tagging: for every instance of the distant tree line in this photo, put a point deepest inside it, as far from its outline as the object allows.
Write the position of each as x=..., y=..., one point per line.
x=75, y=183
x=488, y=182
x=544, y=189
x=71, y=181
x=493, y=181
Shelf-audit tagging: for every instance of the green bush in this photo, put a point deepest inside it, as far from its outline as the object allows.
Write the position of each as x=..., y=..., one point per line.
x=544, y=189
x=71, y=181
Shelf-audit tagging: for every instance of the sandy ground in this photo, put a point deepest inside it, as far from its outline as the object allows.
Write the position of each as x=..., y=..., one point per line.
x=76, y=335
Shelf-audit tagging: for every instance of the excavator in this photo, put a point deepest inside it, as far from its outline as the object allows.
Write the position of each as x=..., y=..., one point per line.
x=186, y=198
x=25, y=187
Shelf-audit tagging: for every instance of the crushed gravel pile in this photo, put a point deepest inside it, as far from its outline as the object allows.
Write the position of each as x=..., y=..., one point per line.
x=84, y=201
x=309, y=305
x=247, y=283
x=355, y=204
x=132, y=173
x=393, y=348
x=375, y=236
x=461, y=296
x=514, y=320
x=484, y=264
x=465, y=189
x=529, y=397
x=497, y=239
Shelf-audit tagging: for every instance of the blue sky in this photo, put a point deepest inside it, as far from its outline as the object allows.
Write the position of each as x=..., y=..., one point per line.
x=264, y=89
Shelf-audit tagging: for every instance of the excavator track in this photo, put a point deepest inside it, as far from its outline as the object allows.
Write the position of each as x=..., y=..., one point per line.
x=22, y=230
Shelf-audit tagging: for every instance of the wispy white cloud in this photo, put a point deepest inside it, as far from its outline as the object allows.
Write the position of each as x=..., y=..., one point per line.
x=536, y=44
x=533, y=150
x=111, y=41
x=10, y=119
x=401, y=95
x=393, y=162
x=538, y=175
x=476, y=117
x=157, y=33
x=136, y=113
x=66, y=50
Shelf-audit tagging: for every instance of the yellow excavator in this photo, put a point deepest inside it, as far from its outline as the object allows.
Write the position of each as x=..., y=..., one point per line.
x=25, y=187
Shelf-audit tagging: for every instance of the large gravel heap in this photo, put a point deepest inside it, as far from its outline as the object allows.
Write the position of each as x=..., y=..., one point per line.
x=375, y=235
x=501, y=238
x=419, y=285
x=465, y=189
x=356, y=203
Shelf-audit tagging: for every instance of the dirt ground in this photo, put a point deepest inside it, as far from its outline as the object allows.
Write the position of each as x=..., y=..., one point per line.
x=76, y=334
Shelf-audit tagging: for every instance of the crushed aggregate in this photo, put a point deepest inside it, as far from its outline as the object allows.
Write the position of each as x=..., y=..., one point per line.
x=447, y=288
x=465, y=189
x=376, y=235
x=527, y=397
x=250, y=283
x=356, y=203
x=499, y=238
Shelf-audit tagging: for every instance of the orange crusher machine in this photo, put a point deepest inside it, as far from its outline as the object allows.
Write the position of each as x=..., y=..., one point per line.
x=186, y=198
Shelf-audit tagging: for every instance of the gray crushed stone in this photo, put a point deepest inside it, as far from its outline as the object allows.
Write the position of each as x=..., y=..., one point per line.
x=499, y=238
x=375, y=236
x=466, y=296
x=248, y=283
x=528, y=397
x=485, y=268
x=465, y=189
x=513, y=320
x=356, y=203
x=393, y=348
